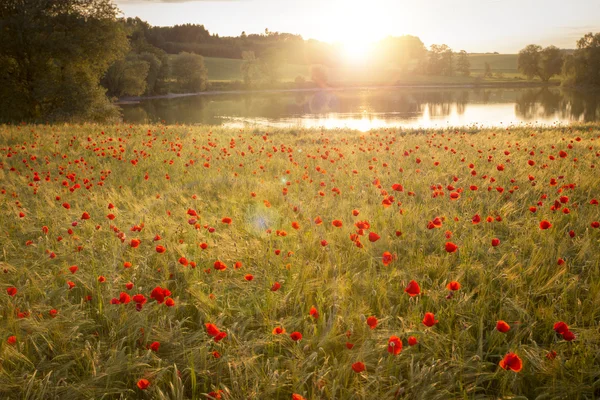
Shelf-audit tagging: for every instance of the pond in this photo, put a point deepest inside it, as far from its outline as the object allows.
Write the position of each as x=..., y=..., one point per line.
x=365, y=109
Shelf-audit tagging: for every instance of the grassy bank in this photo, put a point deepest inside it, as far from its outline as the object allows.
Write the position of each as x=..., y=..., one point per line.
x=250, y=230
x=225, y=74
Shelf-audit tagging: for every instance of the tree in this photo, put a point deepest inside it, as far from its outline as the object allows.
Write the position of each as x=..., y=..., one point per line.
x=270, y=63
x=189, y=71
x=582, y=68
x=544, y=63
x=127, y=77
x=52, y=56
x=401, y=51
x=463, y=65
x=529, y=60
x=551, y=62
x=440, y=61
x=249, y=68
x=487, y=72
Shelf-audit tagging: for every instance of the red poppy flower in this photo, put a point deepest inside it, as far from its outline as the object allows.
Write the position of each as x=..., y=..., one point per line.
x=219, y=266
x=387, y=258
x=11, y=290
x=373, y=237
x=160, y=249
x=412, y=341
x=295, y=225
x=85, y=215
x=394, y=345
x=372, y=322
x=313, y=313
x=349, y=345
x=561, y=328
x=143, y=384
x=502, y=326
x=295, y=336
x=212, y=329
x=296, y=396
x=139, y=298
x=226, y=220
x=154, y=346
x=337, y=223
x=220, y=336
x=11, y=340
x=413, y=288
x=73, y=268
x=453, y=286
x=124, y=298
x=495, y=242
x=429, y=319
x=545, y=224
x=512, y=362
x=358, y=367
x=53, y=313
x=129, y=285
x=101, y=279
x=278, y=330
x=248, y=277
x=276, y=286
x=451, y=247
x=568, y=336
x=135, y=243
x=169, y=302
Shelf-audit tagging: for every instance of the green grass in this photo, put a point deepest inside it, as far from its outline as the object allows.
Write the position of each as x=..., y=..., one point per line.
x=154, y=175
x=227, y=70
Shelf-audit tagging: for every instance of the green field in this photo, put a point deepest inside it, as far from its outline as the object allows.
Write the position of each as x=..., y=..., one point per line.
x=228, y=70
x=196, y=262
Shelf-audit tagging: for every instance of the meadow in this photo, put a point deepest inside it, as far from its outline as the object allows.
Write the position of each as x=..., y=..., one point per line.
x=195, y=262
x=223, y=70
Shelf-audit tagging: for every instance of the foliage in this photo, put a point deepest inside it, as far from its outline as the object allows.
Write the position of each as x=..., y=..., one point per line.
x=250, y=68
x=544, y=63
x=440, y=60
x=463, y=65
x=401, y=51
x=53, y=54
x=487, y=72
x=127, y=77
x=529, y=60
x=189, y=72
x=582, y=68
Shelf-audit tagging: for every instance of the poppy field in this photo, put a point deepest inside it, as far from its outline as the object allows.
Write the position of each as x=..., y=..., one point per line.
x=193, y=262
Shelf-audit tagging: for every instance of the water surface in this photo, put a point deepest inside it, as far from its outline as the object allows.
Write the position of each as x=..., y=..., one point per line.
x=366, y=109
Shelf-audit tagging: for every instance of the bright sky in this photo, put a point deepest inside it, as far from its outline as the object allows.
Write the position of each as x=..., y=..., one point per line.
x=505, y=26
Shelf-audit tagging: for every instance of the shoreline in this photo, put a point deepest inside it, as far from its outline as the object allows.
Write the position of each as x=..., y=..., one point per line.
x=507, y=85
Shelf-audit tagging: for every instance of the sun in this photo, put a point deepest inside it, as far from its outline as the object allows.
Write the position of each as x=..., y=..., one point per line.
x=356, y=51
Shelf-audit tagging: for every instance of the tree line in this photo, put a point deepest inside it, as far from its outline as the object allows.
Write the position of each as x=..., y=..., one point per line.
x=65, y=59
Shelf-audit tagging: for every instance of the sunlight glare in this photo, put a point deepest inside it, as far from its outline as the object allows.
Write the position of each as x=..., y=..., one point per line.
x=356, y=51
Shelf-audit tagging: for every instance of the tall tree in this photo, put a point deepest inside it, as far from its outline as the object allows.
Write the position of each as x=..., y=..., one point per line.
x=189, y=71
x=249, y=68
x=529, y=60
x=53, y=54
x=582, y=68
x=440, y=60
x=463, y=65
x=551, y=62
